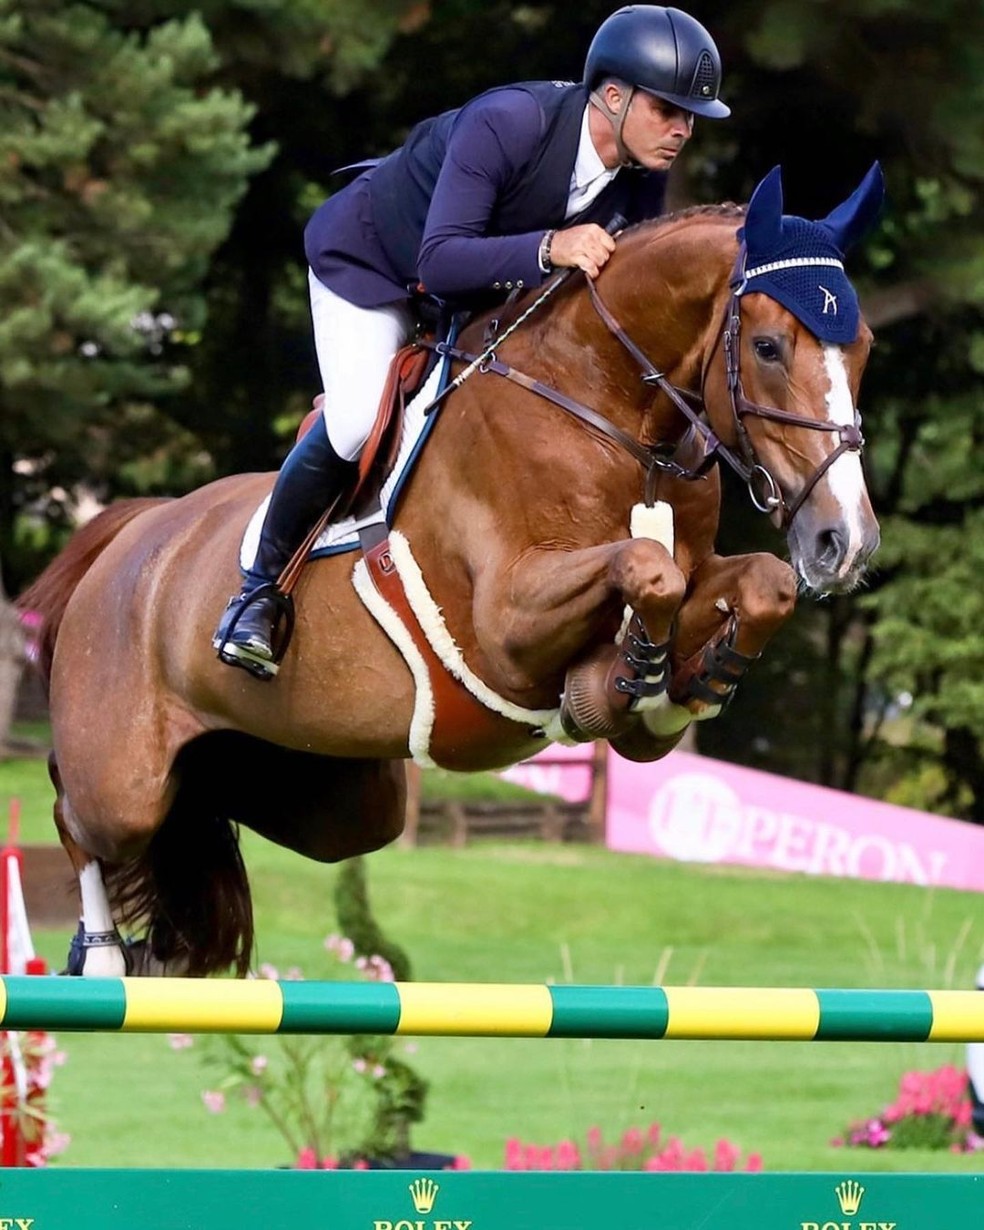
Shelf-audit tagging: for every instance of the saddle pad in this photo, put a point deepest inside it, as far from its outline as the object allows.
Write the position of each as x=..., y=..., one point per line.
x=344, y=536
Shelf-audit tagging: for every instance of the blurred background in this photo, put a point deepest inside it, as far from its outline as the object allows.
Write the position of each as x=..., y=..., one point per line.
x=158, y=162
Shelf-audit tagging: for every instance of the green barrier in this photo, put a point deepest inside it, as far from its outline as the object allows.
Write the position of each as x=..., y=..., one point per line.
x=486, y=1200
x=58, y=1199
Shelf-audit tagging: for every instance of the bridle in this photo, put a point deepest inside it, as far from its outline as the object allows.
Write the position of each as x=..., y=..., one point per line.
x=659, y=458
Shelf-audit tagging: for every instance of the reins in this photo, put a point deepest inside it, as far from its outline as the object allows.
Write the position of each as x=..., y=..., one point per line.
x=657, y=459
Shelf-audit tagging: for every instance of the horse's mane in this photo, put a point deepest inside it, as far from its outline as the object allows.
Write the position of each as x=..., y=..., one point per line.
x=724, y=210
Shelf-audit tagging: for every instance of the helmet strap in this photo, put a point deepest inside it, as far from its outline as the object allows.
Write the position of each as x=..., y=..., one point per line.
x=617, y=119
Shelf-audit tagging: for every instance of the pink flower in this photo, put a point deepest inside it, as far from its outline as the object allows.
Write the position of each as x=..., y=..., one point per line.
x=269, y=971
x=378, y=1071
x=632, y=1140
x=180, y=1042
x=258, y=1064
x=359, y=1064
x=360, y=1163
x=515, y=1154
x=568, y=1156
x=375, y=968
x=307, y=1159
x=725, y=1155
x=461, y=1162
x=329, y=1163
x=56, y=1142
x=341, y=946
x=754, y=1163
x=215, y=1101
x=253, y=1095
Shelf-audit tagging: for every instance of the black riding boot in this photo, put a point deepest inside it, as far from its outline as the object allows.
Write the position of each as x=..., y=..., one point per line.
x=311, y=478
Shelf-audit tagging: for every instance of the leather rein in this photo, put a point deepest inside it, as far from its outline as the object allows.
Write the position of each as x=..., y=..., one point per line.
x=658, y=459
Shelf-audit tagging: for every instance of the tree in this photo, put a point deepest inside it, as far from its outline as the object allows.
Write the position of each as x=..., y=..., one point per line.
x=119, y=174
x=11, y=665
x=131, y=132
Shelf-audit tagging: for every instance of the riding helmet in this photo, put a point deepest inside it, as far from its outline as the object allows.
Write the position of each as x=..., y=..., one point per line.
x=663, y=51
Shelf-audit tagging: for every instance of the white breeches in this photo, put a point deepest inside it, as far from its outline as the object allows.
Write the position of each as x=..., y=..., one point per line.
x=355, y=346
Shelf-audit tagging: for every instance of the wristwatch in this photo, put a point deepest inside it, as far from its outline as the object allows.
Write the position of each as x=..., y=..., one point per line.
x=543, y=255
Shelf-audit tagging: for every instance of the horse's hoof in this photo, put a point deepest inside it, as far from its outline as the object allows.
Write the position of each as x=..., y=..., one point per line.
x=641, y=745
x=586, y=709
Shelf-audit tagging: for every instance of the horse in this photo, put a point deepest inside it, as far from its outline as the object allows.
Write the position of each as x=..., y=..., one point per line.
x=556, y=535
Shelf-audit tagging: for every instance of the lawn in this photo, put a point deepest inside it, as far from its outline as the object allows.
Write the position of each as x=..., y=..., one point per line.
x=528, y=912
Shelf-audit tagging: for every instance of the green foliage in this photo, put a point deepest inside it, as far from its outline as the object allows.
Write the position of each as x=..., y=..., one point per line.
x=120, y=170
x=355, y=917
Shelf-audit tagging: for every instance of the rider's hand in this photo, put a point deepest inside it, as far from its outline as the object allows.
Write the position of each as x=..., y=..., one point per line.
x=586, y=247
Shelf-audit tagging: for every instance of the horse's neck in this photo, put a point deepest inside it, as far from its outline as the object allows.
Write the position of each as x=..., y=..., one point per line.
x=666, y=294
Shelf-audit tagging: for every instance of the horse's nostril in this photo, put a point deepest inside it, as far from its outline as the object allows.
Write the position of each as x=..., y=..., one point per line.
x=831, y=549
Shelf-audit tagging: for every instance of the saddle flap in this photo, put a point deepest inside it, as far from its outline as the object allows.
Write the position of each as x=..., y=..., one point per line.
x=407, y=372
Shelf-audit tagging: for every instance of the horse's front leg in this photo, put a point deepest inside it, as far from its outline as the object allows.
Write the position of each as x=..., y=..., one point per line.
x=733, y=607
x=554, y=603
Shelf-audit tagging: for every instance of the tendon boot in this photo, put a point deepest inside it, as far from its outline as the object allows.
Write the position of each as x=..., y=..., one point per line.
x=312, y=478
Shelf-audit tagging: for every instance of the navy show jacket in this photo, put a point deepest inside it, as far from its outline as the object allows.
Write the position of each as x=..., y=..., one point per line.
x=463, y=205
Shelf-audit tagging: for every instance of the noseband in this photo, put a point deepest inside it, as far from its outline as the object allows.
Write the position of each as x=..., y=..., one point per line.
x=658, y=459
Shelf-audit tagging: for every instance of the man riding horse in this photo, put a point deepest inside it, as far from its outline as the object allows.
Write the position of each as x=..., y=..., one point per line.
x=489, y=198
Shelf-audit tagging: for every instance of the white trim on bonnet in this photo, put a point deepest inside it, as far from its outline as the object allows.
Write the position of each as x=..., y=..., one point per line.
x=797, y=262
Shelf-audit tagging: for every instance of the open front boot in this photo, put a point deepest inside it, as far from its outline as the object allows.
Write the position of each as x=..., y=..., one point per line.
x=255, y=627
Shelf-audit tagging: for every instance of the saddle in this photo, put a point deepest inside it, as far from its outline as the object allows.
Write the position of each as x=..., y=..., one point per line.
x=408, y=371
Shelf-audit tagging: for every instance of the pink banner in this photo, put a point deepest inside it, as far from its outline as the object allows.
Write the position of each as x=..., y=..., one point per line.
x=700, y=810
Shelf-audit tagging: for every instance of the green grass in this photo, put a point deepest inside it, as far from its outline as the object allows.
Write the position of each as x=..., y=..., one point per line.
x=526, y=912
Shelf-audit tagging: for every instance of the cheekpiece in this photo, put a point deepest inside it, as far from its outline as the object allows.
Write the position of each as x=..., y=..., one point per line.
x=800, y=263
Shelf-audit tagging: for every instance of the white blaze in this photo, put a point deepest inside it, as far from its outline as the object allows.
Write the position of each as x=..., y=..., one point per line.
x=844, y=478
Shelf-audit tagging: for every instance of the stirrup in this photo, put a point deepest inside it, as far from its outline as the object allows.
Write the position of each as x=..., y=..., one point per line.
x=281, y=631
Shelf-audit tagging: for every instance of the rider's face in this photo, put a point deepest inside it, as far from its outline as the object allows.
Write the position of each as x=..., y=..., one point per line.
x=655, y=131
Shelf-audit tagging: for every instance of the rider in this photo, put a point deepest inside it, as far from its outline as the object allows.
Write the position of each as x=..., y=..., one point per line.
x=490, y=197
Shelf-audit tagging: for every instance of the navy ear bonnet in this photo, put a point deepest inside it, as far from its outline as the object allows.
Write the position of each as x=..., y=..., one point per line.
x=800, y=264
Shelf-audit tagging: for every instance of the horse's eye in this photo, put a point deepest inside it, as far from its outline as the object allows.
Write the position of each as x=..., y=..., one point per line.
x=767, y=350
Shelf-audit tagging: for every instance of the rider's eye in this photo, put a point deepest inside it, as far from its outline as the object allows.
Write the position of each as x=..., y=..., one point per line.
x=767, y=350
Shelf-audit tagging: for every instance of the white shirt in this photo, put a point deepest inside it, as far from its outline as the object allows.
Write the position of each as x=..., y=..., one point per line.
x=590, y=174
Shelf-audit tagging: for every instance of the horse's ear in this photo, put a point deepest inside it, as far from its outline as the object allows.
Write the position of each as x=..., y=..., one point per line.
x=851, y=220
x=763, y=218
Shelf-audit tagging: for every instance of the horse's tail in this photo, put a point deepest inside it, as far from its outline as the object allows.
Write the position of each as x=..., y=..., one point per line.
x=188, y=893
x=50, y=593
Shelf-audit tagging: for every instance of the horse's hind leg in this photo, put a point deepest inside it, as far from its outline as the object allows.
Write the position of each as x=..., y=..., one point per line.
x=97, y=948
x=734, y=605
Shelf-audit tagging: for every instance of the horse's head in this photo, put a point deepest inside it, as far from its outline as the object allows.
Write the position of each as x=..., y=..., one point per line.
x=794, y=348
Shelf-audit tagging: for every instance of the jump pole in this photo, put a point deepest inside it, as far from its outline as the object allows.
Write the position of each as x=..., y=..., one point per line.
x=263, y=1006
x=65, y=1199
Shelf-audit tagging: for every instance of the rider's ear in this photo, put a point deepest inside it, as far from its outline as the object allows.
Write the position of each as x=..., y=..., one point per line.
x=763, y=218
x=851, y=220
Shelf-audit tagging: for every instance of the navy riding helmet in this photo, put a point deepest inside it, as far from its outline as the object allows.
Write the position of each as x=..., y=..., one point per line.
x=663, y=51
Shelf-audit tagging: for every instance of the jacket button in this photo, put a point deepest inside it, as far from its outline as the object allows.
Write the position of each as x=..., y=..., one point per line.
x=497, y=286
x=509, y=286
x=519, y=284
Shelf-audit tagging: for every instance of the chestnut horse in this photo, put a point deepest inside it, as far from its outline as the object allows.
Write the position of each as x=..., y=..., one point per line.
x=514, y=526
